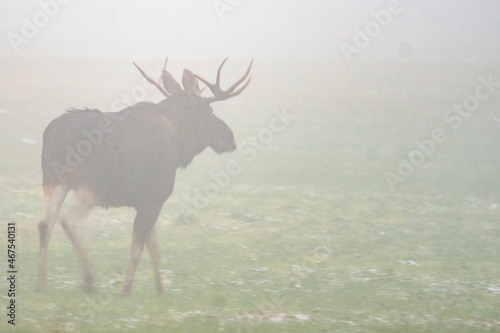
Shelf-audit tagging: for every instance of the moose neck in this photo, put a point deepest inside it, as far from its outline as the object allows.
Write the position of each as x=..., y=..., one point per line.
x=181, y=126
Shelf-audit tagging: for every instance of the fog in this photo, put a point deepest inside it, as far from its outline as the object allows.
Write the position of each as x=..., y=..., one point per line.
x=363, y=194
x=423, y=30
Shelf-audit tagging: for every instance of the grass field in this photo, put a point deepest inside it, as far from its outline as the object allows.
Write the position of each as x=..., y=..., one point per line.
x=309, y=237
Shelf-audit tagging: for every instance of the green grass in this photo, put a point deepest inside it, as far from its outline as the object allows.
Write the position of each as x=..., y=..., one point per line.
x=308, y=238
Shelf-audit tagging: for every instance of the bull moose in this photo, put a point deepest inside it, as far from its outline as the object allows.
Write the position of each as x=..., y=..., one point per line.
x=128, y=158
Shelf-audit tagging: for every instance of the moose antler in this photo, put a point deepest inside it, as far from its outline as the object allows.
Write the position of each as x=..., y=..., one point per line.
x=219, y=94
x=160, y=88
x=163, y=70
x=190, y=83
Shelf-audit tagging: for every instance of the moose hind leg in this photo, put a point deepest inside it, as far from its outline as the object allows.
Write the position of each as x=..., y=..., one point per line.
x=84, y=201
x=143, y=223
x=53, y=199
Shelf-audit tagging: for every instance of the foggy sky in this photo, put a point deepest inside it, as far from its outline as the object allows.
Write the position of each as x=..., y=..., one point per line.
x=451, y=30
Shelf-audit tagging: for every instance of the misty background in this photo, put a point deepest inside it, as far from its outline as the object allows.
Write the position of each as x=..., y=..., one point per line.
x=432, y=30
x=311, y=235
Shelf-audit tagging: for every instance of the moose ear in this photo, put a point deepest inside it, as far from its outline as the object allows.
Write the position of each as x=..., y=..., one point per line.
x=190, y=82
x=170, y=84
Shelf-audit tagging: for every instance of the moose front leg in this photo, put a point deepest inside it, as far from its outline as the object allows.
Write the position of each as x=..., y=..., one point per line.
x=152, y=244
x=143, y=223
